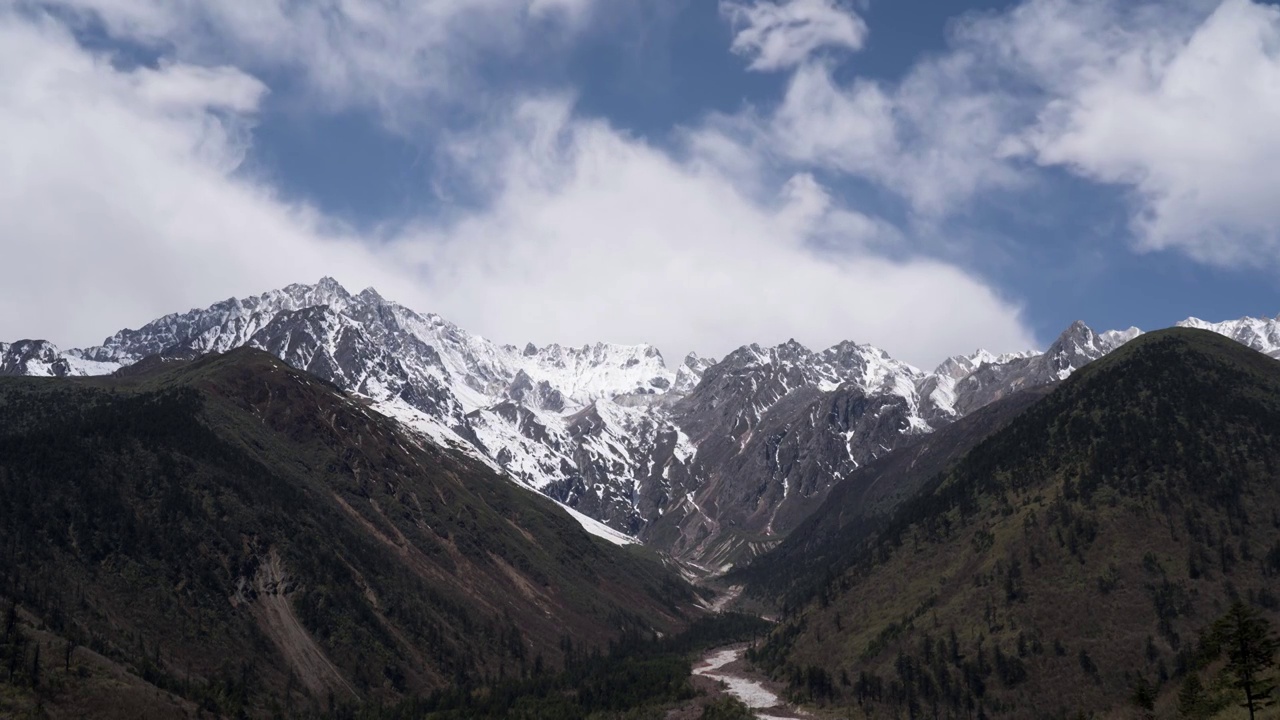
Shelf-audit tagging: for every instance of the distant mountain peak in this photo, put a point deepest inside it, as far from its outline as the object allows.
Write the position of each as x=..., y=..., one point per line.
x=793, y=346
x=1260, y=334
x=371, y=295
x=790, y=420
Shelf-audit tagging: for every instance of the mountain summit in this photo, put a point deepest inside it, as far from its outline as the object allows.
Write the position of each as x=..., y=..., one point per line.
x=714, y=461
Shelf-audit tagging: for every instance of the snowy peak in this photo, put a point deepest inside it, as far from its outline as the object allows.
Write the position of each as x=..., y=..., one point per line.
x=791, y=365
x=958, y=367
x=540, y=395
x=40, y=358
x=747, y=356
x=790, y=351
x=1261, y=334
x=684, y=458
x=329, y=345
x=751, y=379
x=219, y=327
x=30, y=357
x=690, y=373
x=1079, y=345
x=371, y=296
x=1113, y=339
x=593, y=372
x=867, y=367
x=298, y=296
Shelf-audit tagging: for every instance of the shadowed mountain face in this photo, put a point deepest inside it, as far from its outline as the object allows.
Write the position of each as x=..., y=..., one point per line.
x=1077, y=551
x=819, y=548
x=714, y=461
x=232, y=528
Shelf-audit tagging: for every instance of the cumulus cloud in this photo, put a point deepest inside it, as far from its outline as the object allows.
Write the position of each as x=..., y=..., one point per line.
x=1174, y=102
x=937, y=138
x=1179, y=102
x=118, y=201
x=122, y=202
x=781, y=35
x=599, y=236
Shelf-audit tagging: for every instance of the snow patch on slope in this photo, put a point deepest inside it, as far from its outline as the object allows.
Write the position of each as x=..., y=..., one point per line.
x=599, y=529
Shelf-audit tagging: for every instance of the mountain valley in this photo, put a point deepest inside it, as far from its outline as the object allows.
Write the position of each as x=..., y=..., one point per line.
x=308, y=502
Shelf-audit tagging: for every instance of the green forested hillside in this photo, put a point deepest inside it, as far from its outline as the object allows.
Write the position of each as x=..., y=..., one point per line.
x=1070, y=562
x=246, y=537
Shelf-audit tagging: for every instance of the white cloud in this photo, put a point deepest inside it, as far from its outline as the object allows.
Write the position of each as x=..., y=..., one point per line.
x=117, y=202
x=1178, y=102
x=598, y=236
x=404, y=58
x=121, y=203
x=936, y=138
x=781, y=35
x=851, y=129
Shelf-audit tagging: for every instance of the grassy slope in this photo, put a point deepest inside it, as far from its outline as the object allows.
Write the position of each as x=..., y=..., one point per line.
x=1084, y=545
x=262, y=534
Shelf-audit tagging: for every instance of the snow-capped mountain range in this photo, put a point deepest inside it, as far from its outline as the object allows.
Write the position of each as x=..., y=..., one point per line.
x=710, y=460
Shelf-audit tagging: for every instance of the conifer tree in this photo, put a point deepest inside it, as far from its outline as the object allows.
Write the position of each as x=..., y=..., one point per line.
x=1250, y=645
x=1191, y=699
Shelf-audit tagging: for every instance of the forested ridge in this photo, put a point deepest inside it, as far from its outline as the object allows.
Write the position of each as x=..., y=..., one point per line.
x=1080, y=554
x=250, y=539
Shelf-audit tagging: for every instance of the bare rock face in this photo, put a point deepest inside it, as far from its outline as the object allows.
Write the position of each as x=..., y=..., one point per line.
x=712, y=461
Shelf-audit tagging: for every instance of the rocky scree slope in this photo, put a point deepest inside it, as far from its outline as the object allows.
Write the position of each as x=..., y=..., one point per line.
x=714, y=461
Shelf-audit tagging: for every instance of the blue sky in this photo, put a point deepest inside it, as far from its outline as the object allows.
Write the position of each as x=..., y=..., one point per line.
x=928, y=176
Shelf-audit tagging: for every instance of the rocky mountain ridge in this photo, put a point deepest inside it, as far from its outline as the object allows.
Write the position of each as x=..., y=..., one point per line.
x=1053, y=554
x=712, y=461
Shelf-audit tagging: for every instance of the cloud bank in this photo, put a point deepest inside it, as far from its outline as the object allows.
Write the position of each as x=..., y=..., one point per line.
x=124, y=202
x=125, y=197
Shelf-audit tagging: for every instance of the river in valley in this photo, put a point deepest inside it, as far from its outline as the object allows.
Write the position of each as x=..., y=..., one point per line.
x=726, y=665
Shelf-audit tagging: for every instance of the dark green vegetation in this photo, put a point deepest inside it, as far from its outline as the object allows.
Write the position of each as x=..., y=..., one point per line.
x=1250, y=646
x=637, y=678
x=246, y=538
x=727, y=708
x=1074, y=561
